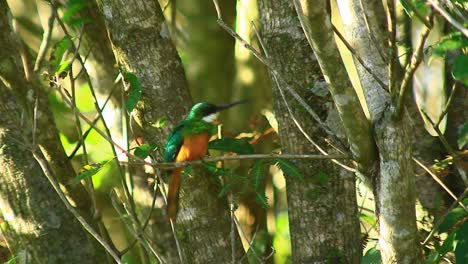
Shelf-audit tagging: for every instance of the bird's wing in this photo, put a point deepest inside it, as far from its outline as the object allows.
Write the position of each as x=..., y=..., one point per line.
x=173, y=144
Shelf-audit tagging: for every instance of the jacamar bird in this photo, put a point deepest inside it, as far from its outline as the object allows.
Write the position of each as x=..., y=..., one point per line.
x=189, y=141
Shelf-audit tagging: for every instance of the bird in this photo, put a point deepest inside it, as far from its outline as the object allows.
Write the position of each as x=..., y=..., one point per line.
x=189, y=141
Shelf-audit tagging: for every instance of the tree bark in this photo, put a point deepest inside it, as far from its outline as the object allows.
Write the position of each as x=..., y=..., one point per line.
x=142, y=45
x=395, y=185
x=325, y=202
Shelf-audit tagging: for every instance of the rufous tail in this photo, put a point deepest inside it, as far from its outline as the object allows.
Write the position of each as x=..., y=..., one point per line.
x=173, y=195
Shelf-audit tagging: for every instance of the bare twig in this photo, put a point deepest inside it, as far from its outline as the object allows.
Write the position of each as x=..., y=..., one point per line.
x=442, y=218
x=456, y=157
x=418, y=14
x=448, y=17
x=250, y=242
x=449, y=102
x=49, y=175
x=46, y=37
x=351, y=49
x=411, y=67
x=392, y=64
x=440, y=182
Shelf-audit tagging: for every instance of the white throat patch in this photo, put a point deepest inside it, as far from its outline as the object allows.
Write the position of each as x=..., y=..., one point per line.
x=210, y=118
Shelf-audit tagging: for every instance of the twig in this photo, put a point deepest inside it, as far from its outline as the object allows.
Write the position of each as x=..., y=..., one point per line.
x=418, y=14
x=411, y=67
x=440, y=182
x=456, y=158
x=441, y=219
x=351, y=49
x=250, y=242
x=36, y=105
x=392, y=64
x=449, y=102
x=448, y=17
x=173, y=165
x=49, y=175
x=46, y=37
x=456, y=10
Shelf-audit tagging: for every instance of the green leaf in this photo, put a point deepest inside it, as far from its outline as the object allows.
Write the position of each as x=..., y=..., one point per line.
x=434, y=257
x=372, y=256
x=188, y=170
x=213, y=169
x=257, y=173
x=161, y=122
x=226, y=189
x=448, y=245
x=289, y=168
x=370, y=219
x=89, y=170
x=461, y=250
x=64, y=66
x=262, y=200
x=57, y=53
x=142, y=151
x=452, y=218
x=239, y=146
x=134, y=94
x=460, y=68
x=463, y=135
x=450, y=42
x=73, y=7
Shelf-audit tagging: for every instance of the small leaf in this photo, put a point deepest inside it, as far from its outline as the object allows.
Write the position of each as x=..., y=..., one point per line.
x=372, y=256
x=450, y=42
x=64, y=66
x=289, y=168
x=238, y=146
x=448, y=245
x=262, y=200
x=463, y=135
x=142, y=151
x=460, y=68
x=257, y=173
x=370, y=219
x=461, y=250
x=73, y=7
x=213, y=169
x=89, y=170
x=434, y=257
x=452, y=218
x=161, y=122
x=57, y=53
x=226, y=189
x=188, y=170
x=134, y=94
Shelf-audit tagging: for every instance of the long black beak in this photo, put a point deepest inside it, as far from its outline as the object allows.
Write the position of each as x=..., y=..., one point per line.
x=226, y=106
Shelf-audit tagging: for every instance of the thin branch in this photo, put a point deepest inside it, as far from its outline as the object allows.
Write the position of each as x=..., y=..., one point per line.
x=392, y=64
x=411, y=68
x=448, y=17
x=350, y=48
x=440, y=182
x=449, y=102
x=46, y=37
x=456, y=158
x=418, y=14
x=49, y=175
x=441, y=219
x=456, y=10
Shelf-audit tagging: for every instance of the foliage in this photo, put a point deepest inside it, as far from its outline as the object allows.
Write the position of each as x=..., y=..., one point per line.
x=134, y=93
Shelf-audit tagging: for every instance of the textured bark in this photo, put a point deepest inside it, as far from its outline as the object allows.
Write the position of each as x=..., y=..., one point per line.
x=316, y=23
x=38, y=227
x=323, y=217
x=142, y=45
x=395, y=185
x=47, y=136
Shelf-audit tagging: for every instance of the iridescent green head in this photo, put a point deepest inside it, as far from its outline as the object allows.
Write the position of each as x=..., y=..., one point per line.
x=208, y=112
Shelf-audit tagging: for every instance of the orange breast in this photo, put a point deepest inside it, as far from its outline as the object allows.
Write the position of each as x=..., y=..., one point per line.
x=194, y=147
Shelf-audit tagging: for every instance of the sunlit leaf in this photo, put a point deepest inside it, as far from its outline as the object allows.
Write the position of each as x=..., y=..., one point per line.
x=372, y=256
x=142, y=151
x=460, y=68
x=134, y=94
x=369, y=219
x=161, y=122
x=289, y=168
x=239, y=146
x=450, y=42
x=64, y=66
x=58, y=51
x=89, y=170
x=453, y=217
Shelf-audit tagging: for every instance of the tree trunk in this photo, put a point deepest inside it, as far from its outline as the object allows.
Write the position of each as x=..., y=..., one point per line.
x=395, y=186
x=325, y=202
x=142, y=45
